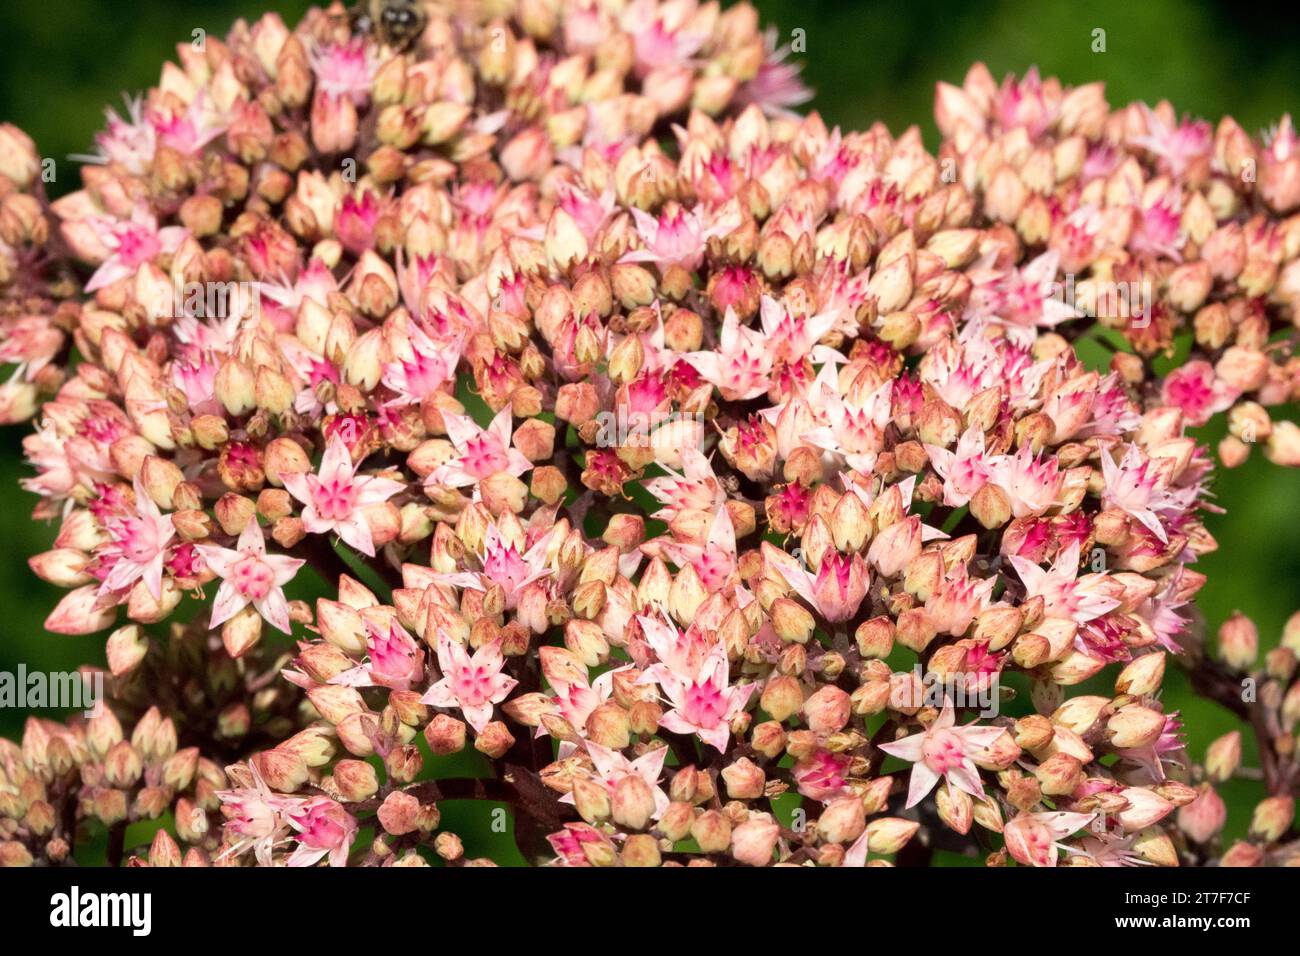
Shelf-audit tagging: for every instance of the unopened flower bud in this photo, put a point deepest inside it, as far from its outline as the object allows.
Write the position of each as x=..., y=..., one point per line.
x=1239, y=642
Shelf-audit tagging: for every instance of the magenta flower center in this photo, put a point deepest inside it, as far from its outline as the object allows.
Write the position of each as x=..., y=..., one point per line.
x=252, y=577
x=705, y=705
x=335, y=500
x=942, y=751
x=484, y=456
x=140, y=540
x=137, y=244
x=473, y=685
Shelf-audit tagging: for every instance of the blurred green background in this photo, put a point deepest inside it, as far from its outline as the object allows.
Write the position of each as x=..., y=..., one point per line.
x=62, y=61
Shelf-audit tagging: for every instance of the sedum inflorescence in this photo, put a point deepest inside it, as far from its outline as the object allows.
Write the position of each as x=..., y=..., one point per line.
x=707, y=479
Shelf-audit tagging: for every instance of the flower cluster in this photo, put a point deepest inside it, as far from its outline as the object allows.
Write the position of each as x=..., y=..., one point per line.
x=147, y=766
x=1272, y=707
x=1170, y=233
x=37, y=291
x=65, y=777
x=697, y=480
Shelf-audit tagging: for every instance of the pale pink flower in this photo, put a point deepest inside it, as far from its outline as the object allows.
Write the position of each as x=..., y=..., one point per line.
x=426, y=366
x=1137, y=486
x=137, y=546
x=1177, y=147
x=714, y=560
x=256, y=816
x=250, y=576
x=1031, y=482
x=611, y=767
x=196, y=378
x=741, y=365
x=1064, y=593
x=413, y=276
x=345, y=70
x=129, y=244
x=1034, y=839
x=1109, y=849
x=1112, y=410
x=129, y=142
x=333, y=498
x=854, y=430
x=943, y=751
x=1159, y=227
x=703, y=704
x=777, y=88
x=679, y=236
x=280, y=301
x=957, y=371
x=45, y=450
x=394, y=659
x=504, y=565
x=323, y=828
x=589, y=212
x=1196, y=390
x=677, y=652
x=1022, y=103
x=189, y=130
x=791, y=337
x=837, y=588
x=310, y=369
x=662, y=33
x=574, y=701
x=695, y=489
x=473, y=684
x=1023, y=298
x=1166, y=748
x=30, y=343
x=480, y=452
x=1160, y=611
x=956, y=601
x=964, y=471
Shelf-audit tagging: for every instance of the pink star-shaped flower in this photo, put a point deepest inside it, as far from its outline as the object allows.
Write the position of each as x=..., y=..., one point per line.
x=473, y=684
x=138, y=546
x=395, y=659
x=703, y=704
x=943, y=751
x=611, y=767
x=1034, y=838
x=964, y=471
x=1065, y=594
x=1136, y=486
x=335, y=496
x=130, y=243
x=480, y=452
x=250, y=576
x=323, y=828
